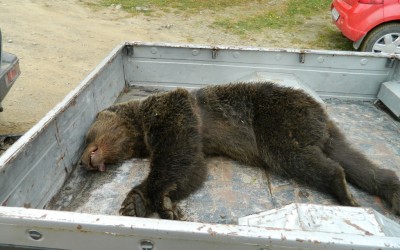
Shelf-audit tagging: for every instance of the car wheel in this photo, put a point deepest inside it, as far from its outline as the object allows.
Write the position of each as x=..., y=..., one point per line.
x=383, y=39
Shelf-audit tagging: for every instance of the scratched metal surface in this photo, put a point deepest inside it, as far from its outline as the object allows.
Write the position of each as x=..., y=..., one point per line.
x=232, y=190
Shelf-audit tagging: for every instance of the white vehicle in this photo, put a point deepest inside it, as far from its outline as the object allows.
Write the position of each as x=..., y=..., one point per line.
x=50, y=203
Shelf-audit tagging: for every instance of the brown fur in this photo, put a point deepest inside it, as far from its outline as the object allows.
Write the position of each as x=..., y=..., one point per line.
x=262, y=124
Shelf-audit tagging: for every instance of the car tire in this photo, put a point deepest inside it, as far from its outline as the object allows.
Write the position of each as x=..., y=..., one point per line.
x=383, y=39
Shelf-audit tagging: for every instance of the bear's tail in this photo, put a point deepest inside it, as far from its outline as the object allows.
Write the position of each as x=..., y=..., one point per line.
x=362, y=172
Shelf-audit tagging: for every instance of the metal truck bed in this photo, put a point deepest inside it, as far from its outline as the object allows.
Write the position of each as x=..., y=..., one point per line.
x=233, y=190
x=48, y=202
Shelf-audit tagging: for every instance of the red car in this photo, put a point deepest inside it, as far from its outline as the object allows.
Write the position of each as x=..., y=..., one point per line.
x=373, y=25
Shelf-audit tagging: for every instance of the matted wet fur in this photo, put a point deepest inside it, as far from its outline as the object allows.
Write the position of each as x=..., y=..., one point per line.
x=261, y=124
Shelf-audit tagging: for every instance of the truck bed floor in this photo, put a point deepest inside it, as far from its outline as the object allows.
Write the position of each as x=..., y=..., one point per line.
x=232, y=190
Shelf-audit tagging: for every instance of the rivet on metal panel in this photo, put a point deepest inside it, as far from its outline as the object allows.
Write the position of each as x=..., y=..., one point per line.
x=236, y=54
x=321, y=59
x=146, y=245
x=302, y=57
x=153, y=50
x=195, y=52
x=364, y=61
x=35, y=235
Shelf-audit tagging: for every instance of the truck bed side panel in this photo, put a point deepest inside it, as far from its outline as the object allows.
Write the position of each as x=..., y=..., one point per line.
x=36, y=171
x=329, y=74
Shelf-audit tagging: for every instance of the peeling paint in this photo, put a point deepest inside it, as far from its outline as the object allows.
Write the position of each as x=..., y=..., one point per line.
x=358, y=227
x=211, y=232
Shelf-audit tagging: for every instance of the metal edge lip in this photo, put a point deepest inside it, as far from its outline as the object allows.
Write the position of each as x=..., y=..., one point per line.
x=166, y=229
x=264, y=49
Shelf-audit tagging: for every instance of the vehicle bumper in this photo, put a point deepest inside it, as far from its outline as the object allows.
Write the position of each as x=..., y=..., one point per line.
x=345, y=24
x=9, y=72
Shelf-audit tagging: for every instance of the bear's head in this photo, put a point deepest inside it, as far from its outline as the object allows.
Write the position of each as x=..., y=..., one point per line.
x=109, y=140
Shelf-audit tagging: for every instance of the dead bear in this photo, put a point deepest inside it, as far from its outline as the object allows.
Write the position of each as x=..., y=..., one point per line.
x=261, y=124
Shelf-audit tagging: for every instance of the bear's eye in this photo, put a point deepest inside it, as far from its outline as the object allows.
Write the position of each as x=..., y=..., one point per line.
x=93, y=151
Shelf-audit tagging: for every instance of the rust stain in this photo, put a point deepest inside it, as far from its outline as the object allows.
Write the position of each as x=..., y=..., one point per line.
x=303, y=194
x=5, y=202
x=228, y=195
x=378, y=200
x=357, y=227
x=73, y=101
x=27, y=205
x=79, y=227
x=60, y=158
x=299, y=240
x=227, y=174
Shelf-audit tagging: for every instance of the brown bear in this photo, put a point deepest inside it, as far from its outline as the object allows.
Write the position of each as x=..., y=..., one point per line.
x=276, y=128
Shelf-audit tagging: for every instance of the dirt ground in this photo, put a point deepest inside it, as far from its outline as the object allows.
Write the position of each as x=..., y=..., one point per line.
x=60, y=41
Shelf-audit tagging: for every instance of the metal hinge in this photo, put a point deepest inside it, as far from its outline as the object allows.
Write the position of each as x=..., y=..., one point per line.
x=390, y=62
x=214, y=53
x=302, y=57
x=129, y=50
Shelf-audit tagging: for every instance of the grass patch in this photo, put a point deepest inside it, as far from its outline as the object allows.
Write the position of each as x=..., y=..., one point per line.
x=307, y=8
x=331, y=38
x=182, y=5
x=251, y=18
x=285, y=15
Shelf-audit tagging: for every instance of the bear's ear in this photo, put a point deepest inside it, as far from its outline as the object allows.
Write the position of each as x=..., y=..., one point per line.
x=112, y=108
x=104, y=114
x=100, y=114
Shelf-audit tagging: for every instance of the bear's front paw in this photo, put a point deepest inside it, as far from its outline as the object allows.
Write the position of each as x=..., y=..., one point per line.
x=134, y=204
x=170, y=211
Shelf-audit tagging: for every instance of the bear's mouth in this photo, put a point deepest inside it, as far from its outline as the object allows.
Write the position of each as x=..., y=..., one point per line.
x=102, y=167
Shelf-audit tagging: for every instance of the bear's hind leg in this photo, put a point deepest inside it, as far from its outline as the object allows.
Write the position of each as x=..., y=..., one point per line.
x=362, y=172
x=311, y=166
